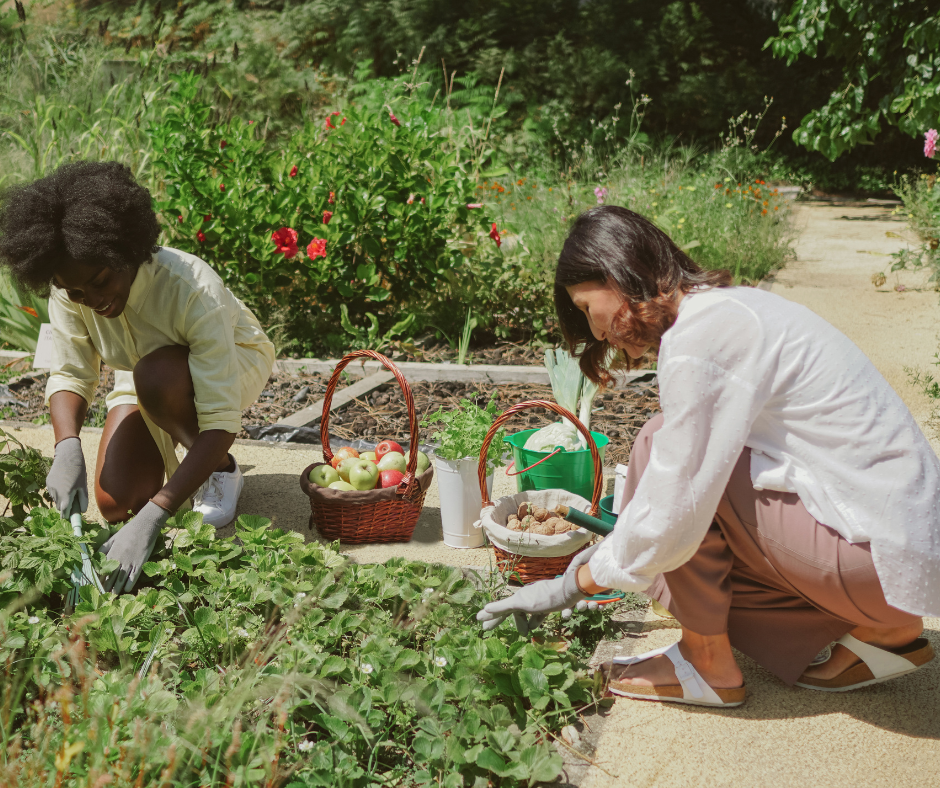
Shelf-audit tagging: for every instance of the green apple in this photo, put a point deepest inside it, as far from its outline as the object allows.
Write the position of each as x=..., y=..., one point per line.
x=323, y=475
x=363, y=475
x=368, y=455
x=344, y=466
x=423, y=461
x=393, y=461
x=341, y=485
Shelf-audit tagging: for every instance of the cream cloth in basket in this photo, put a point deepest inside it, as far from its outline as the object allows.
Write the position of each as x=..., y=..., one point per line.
x=493, y=521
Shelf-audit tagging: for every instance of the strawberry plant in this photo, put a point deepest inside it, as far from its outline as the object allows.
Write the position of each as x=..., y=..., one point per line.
x=262, y=659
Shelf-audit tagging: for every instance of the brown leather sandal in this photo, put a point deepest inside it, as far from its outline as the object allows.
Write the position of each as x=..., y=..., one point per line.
x=877, y=665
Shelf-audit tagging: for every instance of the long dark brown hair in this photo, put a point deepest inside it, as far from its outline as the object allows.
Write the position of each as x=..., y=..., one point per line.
x=620, y=248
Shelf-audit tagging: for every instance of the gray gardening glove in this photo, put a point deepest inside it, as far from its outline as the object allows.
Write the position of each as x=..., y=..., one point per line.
x=532, y=603
x=67, y=483
x=578, y=561
x=132, y=546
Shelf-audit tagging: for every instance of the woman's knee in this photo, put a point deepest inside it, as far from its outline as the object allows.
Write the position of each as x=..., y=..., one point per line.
x=119, y=506
x=163, y=376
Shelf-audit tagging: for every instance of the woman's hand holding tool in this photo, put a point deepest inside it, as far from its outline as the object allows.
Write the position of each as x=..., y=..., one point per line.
x=532, y=603
x=67, y=482
x=132, y=545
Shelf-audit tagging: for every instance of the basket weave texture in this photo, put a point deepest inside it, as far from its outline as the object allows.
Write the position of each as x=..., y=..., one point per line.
x=531, y=568
x=381, y=515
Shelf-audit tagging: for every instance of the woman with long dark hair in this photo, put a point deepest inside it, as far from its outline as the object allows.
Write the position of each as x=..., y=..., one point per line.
x=785, y=502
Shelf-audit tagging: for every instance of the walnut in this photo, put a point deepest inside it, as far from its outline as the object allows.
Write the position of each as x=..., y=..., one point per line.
x=524, y=509
x=514, y=524
x=558, y=510
x=527, y=522
x=558, y=525
x=543, y=529
x=540, y=514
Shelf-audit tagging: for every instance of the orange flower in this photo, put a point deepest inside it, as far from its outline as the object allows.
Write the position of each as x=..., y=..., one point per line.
x=763, y=211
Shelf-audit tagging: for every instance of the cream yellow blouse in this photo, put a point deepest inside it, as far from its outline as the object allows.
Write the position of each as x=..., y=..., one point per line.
x=176, y=299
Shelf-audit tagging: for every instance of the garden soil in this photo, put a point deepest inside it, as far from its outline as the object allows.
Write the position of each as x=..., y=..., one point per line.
x=886, y=735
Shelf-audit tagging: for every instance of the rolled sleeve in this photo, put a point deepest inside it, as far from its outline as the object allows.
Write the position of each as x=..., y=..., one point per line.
x=123, y=392
x=76, y=364
x=213, y=365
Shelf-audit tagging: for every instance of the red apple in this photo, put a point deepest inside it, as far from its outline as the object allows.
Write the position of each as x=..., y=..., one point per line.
x=390, y=478
x=385, y=447
x=342, y=454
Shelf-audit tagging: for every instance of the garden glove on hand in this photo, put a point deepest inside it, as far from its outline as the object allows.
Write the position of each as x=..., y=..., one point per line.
x=67, y=483
x=578, y=561
x=132, y=546
x=532, y=603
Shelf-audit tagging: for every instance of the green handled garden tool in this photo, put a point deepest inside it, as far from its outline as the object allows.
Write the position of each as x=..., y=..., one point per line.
x=81, y=575
x=584, y=520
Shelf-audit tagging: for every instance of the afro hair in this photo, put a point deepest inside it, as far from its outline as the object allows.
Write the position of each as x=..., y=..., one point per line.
x=91, y=212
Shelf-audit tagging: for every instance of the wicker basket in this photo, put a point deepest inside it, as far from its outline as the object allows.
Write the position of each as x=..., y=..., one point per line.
x=526, y=568
x=381, y=515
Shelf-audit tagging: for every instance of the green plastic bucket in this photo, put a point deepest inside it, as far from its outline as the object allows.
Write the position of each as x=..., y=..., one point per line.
x=607, y=510
x=568, y=470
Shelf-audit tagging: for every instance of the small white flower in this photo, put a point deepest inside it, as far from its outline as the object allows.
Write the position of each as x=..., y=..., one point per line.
x=440, y=661
x=28, y=520
x=305, y=746
x=33, y=619
x=173, y=565
x=367, y=668
x=428, y=590
x=300, y=595
x=242, y=633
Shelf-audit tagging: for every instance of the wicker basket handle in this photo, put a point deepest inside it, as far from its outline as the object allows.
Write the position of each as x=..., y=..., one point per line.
x=553, y=406
x=408, y=482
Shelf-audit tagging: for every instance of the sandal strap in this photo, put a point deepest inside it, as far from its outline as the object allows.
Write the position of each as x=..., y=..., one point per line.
x=694, y=687
x=880, y=662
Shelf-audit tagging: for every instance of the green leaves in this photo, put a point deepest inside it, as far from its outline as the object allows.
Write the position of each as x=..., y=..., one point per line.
x=464, y=430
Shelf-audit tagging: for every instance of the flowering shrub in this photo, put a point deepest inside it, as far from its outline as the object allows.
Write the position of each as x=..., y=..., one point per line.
x=921, y=199
x=375, y=199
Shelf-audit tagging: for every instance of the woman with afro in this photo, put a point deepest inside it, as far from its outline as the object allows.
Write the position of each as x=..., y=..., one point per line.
x=188, y=355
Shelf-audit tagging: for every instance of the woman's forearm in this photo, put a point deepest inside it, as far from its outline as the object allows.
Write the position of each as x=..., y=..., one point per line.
x=208, y=450
x=586, y=580
x=67, y=412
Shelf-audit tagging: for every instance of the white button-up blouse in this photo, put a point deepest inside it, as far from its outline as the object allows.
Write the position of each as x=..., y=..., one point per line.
x=743, y=367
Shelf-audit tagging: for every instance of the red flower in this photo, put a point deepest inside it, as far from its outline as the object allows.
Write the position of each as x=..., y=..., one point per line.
x=494, y=234
x=286, y=241
x=332, y=198
x=394, y=120
x=207, y=217
x=179, y=219
x=293, y=172
x=327, y=215
x=250, y=122
x=221, y=187
x=222, y=144
x=316, y=248
x=201, y=236
x=329, y=124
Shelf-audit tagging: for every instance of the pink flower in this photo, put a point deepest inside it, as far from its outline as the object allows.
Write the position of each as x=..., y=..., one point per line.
x=422, y=200
x=286, y=241
x=601, y=193
x=201, y=237
x=293, y=172
x=394, y=120
x=332, y=198
x=494, y=234
x=250, y=122
x=900, y=288
x=411, y=199
x=472, y=205
x=327, y=215
x=930, y=143
x=316, y=248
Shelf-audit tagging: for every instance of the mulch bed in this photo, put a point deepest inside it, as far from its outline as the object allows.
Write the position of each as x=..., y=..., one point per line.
x=380, y=414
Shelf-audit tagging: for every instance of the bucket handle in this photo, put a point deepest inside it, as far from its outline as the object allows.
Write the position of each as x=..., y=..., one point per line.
x=556, y=408
x=557, y=449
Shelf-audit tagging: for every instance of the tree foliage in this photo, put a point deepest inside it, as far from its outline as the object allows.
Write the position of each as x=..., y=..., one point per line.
x=889, y=51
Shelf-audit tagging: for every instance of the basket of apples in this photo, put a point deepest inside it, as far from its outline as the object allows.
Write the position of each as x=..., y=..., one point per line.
x=372, y=497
